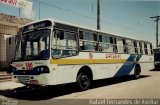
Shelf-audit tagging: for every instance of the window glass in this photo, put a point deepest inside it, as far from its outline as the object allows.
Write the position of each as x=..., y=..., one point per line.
x=33, y=45
x=18, y=47
x=89, y=36
x=140, y=47
x=135, y=47
x=105, y=39
x=130, y=46
x=111, y=40
x=104, y=47
x=107, y=43
x=64, y=44
x=120, y=45
x=145, y=48
x=88, y=41
x=125, y=48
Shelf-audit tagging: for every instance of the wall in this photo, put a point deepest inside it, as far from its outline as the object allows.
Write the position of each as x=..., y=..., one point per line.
x=8, y=29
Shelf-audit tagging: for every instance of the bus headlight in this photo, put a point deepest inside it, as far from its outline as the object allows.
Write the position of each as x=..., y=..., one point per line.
x=41, y=69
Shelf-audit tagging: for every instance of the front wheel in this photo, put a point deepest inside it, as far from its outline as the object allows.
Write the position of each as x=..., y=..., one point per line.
x=83, y=81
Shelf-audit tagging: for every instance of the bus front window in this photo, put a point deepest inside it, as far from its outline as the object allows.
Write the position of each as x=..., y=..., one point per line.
x=33, y=45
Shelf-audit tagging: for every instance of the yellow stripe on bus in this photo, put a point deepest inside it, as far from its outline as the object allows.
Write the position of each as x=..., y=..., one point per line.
x=86, y=61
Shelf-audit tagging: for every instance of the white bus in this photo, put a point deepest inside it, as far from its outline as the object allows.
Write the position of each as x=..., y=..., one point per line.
x=50, y=52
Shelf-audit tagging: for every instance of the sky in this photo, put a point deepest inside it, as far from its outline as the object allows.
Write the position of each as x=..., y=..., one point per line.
x=129, y=18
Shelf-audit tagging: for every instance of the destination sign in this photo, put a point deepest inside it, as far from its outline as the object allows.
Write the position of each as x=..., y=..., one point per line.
x=36, y=26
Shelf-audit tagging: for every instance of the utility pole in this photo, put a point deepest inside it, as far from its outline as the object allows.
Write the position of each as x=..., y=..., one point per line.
x=39, y=10
x=157, y=18
x=98, y=14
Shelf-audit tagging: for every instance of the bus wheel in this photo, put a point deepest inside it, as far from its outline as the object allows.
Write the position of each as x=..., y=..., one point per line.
x=137, y=72
x=84, y=81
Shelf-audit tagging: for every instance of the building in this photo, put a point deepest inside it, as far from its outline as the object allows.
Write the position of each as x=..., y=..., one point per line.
x=8, y=29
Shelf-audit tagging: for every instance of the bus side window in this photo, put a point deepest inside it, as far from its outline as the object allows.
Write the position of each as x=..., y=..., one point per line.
x=125, y=48
x=100, y=43
x=135, y=47
x=64, y=43
x=88, y=41
x=104, y=43
x=130, y=46
x=114, y=44
x=81, y=45
x=151, y=49
x=59, y=34
x=145, y=48
x=140, y=47
x=120, y=45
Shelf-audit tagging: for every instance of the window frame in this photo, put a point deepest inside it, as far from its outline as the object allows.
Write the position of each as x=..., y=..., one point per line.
x=82, y=41
x=54, y=35
x=108, y=44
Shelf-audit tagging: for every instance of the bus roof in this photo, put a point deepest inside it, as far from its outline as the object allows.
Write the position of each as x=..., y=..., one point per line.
x=82, y=27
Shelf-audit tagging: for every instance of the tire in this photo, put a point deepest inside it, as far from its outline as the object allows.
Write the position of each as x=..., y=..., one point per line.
x=137, y=72
x=83, y=81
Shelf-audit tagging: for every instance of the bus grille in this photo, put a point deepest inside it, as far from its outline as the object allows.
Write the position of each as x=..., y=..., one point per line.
x=23, y=79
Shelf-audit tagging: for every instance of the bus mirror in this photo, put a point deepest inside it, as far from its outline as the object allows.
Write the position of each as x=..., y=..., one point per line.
x=61, y=35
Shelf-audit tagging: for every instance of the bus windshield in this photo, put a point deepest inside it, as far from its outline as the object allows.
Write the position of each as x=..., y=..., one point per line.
x=33, y=45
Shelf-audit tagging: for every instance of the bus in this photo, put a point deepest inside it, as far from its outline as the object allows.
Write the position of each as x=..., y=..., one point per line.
x=156, y=57
x=50, y=52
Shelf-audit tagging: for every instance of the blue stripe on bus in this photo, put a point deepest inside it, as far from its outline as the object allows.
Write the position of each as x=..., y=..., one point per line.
x=128, y=65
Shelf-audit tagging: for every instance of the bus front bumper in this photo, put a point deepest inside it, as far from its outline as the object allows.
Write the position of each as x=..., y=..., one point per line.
x=33, y=79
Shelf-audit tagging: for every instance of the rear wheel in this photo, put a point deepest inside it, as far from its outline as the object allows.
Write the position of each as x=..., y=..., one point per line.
x=137, y=72
x=84, y=81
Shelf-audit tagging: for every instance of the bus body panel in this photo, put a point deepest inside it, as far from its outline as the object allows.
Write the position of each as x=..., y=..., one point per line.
x=65, y=72
x=146, y=63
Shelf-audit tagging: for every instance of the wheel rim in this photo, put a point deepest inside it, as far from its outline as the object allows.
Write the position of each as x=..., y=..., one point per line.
x=84, y=81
